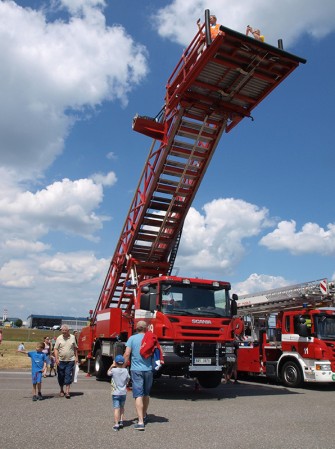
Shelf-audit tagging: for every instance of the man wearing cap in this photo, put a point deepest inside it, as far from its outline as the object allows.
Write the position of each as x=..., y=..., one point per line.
x=141, y=374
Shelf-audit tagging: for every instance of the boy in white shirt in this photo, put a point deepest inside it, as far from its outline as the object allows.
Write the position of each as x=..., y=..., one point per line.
x=119, y=382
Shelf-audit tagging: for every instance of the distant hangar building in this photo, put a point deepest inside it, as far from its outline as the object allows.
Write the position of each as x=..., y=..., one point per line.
x=48, y=321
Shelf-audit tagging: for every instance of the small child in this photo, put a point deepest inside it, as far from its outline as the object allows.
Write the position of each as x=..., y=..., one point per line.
x=119, y=381
x=21, y=347
x=38, y=366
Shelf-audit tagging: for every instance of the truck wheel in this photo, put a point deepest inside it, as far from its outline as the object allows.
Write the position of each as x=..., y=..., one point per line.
x=210, y=380
x=291, y=375
x=101, y=365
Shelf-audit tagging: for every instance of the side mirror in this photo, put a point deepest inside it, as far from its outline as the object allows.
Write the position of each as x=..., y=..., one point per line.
x=303, y=330
x=148, y=302
x=233, y=305
x=145, y=301
x=152, y=303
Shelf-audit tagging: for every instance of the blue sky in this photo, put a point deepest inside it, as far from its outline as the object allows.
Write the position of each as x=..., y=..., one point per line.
x=73, y=75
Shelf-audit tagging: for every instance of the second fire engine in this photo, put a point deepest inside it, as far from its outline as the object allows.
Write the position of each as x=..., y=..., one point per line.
x=301, y=346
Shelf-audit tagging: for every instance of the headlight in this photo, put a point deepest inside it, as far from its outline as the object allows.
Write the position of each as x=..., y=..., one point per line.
x=167, y=349
x=322, y=366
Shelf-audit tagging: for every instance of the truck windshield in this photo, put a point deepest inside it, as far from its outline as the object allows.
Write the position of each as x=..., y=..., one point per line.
x=195, y=300
x=325, y=327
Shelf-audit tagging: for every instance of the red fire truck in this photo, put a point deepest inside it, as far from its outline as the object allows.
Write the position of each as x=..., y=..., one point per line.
x=301, y=346
x=214, y=86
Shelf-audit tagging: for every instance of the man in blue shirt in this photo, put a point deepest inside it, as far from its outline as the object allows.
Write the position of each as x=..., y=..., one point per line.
x=141, y=374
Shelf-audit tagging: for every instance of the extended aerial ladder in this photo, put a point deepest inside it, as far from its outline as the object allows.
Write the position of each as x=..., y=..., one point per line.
x=214, y=86
x=313, y=294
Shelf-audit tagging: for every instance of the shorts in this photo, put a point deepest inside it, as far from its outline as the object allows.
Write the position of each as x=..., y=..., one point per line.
x=119, y=400
x=141, y=383
x=36, y=377
x=65, y=373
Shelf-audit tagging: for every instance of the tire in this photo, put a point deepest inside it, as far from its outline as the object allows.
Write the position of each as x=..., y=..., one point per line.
x=210, y=380
x=291, y=375
x=101, y=365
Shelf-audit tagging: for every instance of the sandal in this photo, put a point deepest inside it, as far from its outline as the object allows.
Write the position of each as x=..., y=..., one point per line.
x=61, y=394
x=67, y=396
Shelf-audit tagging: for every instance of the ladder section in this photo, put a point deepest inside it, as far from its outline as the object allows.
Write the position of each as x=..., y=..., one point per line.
x=235, y=73
x=307, y=294
x=169, y=182
x=182, y=169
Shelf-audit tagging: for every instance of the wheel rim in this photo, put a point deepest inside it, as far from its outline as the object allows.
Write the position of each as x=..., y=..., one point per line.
x=291, y=374
x=97, y=364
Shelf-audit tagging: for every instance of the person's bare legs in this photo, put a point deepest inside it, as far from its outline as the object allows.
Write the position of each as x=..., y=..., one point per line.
x=117, y=416
x=139, y=405
x=121, y=414
x=145, y=405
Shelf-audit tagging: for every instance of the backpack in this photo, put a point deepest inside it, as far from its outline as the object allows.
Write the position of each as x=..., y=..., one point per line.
x=148, y=345
x=151, y=348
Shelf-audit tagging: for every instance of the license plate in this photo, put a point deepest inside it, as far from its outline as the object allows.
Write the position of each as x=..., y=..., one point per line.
x=201, y=361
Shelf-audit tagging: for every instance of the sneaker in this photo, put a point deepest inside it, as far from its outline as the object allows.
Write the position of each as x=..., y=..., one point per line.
x=116, y=427
x=34, y=398
x=40, y=397
x=120, y=424
x=146, y=419
x=139, y=427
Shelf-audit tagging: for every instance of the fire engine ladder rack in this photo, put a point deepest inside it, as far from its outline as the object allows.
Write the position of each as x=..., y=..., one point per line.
x=307, y=295
x=211, y=90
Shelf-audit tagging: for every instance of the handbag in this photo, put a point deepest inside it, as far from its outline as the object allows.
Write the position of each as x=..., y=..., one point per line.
x=156, y=360
x=75, y=373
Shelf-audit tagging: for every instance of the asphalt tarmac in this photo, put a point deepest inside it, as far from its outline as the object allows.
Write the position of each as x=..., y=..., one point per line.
x=250, y=415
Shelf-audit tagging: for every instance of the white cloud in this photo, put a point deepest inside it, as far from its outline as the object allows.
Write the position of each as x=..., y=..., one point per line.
x=66, y=206
x=78, y=7
x=111, y=155
x=17, y=246
x=16, y=273
x=311, y=239
x=74, y=268
x=51, y=72
x=66, y=282
x=214, y=240
x=106, y=180
x=258, y=283
x=284, y=19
